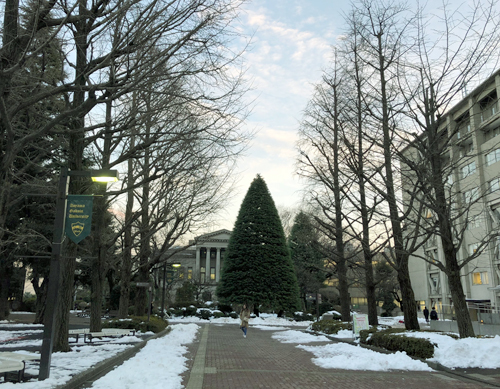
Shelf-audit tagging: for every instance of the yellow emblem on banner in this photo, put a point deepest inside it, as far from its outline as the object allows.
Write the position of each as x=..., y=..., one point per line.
x=77, y=228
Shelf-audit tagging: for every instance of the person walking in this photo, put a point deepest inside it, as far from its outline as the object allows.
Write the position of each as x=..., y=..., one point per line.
x=426, y=315
x=244, y=317
x=434, y=314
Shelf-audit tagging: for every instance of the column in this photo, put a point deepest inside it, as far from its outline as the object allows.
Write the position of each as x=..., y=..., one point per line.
x=197, y=269
x=207, y=266
x=217, y=265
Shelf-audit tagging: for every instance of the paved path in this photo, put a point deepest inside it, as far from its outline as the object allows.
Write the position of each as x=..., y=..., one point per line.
x=223, y=359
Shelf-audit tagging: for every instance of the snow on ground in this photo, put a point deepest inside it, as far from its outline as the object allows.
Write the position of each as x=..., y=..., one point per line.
x=463, y=353
x=161, y=363
x=163, y=360
x=292, y=336
x=346, y=356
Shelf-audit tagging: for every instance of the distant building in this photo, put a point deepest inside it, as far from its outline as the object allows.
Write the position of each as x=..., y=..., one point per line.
x=474, y=125
x=202, y=261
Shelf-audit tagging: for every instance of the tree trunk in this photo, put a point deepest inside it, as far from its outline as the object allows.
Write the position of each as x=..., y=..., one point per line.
x=41, y=298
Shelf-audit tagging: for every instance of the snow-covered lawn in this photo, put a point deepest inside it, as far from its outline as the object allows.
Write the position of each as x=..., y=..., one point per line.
x=162, y=361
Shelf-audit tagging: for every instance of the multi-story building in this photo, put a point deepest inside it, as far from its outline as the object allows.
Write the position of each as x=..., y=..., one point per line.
x=474, y=159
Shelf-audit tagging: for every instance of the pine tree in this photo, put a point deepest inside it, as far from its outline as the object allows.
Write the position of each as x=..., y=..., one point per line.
x=306, y=255
x=257, y=268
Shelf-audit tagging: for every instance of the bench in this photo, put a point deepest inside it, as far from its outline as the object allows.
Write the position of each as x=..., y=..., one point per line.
x=106, y=332
x=11, y=362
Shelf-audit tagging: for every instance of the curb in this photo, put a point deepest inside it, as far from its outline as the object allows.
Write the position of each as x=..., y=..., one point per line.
x=103, y=367
x=432, y=365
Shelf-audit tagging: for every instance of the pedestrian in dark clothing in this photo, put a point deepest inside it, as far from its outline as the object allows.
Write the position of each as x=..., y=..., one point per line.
x=426, y=315
x=434, y=314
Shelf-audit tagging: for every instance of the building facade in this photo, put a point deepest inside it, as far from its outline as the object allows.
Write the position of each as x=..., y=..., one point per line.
x=474, y=157
x=202, y=261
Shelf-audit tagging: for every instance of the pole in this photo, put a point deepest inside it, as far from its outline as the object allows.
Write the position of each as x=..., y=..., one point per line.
x=163, y=291
x=149, y=305
x=54, y=275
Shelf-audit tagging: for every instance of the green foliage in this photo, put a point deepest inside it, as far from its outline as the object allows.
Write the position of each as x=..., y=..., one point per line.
x=29, y=302
x=305, y=252
x=139, y=323
x=233, y=315
x=226, y=308
x=330, y=326
x=185, y=294
x=257, y=267
x=204, y=314
x=219, y=314
x=392, y=341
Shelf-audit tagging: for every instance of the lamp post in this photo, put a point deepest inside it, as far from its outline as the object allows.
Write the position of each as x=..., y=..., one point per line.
x=173, y=265
x=57, y=241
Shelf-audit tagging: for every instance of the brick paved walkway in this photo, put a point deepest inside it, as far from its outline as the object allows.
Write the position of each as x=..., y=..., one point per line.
x=222, y=359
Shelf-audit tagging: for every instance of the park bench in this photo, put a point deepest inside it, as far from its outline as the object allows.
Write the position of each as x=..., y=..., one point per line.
x=105, y=333
x=11, y=362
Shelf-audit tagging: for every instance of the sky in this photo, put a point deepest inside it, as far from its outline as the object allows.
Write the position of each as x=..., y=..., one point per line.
x=163, y=360
x=291, y=45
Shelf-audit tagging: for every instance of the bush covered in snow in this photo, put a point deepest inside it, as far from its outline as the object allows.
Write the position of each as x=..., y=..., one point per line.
x=330, y=326
x=392, y=340
x=138, y=323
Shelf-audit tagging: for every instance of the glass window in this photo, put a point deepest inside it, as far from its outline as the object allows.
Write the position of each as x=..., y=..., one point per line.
x=473, y=248
x=471, y=195
x=480, y=278
x=469, y=169
x=212, y=273
x=494, y=184
x=190, y=273
x=492, y=157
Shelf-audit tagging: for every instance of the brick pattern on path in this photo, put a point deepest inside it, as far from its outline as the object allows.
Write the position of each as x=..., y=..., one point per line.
x=221, y=358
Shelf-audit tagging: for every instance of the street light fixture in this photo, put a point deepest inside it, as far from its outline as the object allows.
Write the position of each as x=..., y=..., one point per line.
x=174, y=265
x=59, y=226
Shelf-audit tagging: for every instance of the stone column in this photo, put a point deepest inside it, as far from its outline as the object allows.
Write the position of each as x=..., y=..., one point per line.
x=217, y=265
x=207, y=266
x=197, y=264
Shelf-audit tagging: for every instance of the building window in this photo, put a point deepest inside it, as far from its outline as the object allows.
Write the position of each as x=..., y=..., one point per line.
x=471, y=195
x=469, y=169
x=492, y=157
x=212, y=273
x=480, y=278
x=475, y=222
x=202, y=274
x=473, y=248
x=190, y=273
x=494, y=185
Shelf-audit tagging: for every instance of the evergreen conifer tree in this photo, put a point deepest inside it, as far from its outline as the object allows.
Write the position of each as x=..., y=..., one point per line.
x=257, y=268
x=306, y=255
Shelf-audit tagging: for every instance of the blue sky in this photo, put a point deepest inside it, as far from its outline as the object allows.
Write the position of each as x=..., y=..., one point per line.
x=291, y=45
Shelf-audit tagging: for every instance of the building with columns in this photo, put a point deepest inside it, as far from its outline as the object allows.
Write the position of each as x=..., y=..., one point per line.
x=209, y=255
x=202, y=261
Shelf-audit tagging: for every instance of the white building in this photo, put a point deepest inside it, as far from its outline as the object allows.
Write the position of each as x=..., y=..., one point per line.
x=475, y=151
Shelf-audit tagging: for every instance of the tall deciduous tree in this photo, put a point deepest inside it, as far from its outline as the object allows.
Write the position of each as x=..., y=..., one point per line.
x=258, y=269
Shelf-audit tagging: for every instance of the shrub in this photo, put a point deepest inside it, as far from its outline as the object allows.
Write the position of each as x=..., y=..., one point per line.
x=204, y=314
x=218, y=314
x=138, y=323
x=330, y=326
x=189, y=311
x=226, y=308
x=233, y=315
x=301, y=316
x=392, y=341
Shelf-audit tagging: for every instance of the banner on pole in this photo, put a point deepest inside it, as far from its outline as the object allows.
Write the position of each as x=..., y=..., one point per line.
x=78, y=217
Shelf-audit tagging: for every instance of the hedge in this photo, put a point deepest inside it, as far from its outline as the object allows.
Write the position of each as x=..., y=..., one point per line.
x=330, y=326
x=138, y=323
x=392, y=340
